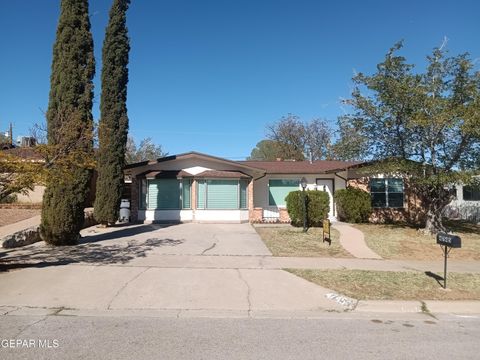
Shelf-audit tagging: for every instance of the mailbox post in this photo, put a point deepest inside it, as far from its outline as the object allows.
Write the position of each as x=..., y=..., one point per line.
x=447, y=242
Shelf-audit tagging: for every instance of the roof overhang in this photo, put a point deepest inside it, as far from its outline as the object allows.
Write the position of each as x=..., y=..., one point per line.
x=193, y=155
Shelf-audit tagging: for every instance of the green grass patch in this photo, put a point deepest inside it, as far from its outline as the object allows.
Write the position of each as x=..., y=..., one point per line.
x=291, y=241
x=389, y=285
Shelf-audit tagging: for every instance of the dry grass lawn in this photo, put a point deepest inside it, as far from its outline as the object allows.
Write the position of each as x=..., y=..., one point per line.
x=291, y=241
x=10, y=216
x=403, y=242
x=389, y=285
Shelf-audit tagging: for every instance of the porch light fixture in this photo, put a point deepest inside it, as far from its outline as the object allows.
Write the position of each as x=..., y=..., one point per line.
x=303, y=182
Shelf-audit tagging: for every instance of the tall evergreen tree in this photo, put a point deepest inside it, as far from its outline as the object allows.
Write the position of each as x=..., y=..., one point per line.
x=70, y=123
x=113, y=126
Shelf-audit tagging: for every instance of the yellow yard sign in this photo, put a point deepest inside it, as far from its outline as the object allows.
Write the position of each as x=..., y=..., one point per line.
x=326, y=231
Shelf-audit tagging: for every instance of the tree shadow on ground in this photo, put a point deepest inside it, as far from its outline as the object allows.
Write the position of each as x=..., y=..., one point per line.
x=462, y=226
x=123, y=232
x=87, y=251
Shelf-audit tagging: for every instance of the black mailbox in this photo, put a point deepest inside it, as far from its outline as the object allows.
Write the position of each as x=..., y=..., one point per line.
x=449, y=240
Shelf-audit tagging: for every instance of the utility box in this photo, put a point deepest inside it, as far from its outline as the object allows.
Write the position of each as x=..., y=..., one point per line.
x=124, y=210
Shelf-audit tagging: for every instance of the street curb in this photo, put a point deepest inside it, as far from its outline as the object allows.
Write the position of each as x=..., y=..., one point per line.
x=426, y=306
x=364, y=308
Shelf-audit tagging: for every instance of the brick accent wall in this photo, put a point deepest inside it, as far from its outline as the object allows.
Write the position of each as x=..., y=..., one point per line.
x=284, y=217
x=251, y=210
x=412, y=213
x=256, y=215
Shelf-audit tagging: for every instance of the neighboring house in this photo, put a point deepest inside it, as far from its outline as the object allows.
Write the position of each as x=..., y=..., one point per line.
x=34, y=196
x=199, y=187
x=466, y=204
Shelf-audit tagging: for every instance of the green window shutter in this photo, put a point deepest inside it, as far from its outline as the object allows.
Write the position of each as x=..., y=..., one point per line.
x=222, y=194
x=243, y=194
x=186, y=193
x=201, y=187
x=163, y=194
x=279, y=189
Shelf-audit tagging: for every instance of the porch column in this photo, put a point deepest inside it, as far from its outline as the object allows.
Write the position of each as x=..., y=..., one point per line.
x=134, y=200
x=193, y=200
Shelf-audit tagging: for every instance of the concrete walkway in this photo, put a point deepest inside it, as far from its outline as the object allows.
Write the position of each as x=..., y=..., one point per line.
x=353, y=241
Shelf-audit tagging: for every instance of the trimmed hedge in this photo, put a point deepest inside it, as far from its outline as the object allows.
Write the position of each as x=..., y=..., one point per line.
x=353, y=205
x=318, y=205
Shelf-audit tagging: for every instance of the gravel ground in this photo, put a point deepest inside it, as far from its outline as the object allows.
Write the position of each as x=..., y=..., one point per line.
x=10, y=216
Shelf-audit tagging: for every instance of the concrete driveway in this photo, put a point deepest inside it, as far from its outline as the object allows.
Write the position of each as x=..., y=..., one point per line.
x=185, y=239
x=187, y=270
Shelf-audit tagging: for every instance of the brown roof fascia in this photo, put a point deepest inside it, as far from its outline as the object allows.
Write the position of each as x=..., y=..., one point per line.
x=223, y=174
x=193, y=154
x=164, y=174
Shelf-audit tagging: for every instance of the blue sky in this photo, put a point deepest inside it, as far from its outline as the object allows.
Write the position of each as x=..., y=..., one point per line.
x=208, y=75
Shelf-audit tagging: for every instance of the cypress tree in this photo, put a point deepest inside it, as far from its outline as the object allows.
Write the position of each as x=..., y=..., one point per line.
x=113, y=125
x=70, y=123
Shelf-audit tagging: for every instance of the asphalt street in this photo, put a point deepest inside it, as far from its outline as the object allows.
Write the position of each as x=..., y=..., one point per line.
x=334, y=336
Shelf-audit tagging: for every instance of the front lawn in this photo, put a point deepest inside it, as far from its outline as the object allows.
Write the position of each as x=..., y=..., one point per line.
x=389, y=285
x=291, y=241
x=403, y=242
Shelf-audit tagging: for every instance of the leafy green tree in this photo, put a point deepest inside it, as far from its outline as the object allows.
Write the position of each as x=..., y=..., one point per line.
x=297, y=139
x=266, y=150
x=113, y=125
x=351, y=144
x=17, y=175
x=427, y=124
x=146, y=150
x=70, y=124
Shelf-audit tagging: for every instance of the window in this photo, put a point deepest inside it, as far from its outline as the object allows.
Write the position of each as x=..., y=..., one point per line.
x=279, y=189
x=163, y=194
x=222, y=194
x=471, y=193
x=186, y=193
x=387, y=193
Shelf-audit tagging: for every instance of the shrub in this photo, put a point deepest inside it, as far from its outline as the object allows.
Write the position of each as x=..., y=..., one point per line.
x=353, y=205
x=318, y=205
x=9, y=199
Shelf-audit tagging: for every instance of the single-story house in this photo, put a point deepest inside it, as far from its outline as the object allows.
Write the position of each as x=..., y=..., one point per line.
x=195, y=187
x=466, y=204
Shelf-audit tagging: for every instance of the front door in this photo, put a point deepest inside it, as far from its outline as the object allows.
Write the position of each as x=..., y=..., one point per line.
x=327, y=185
